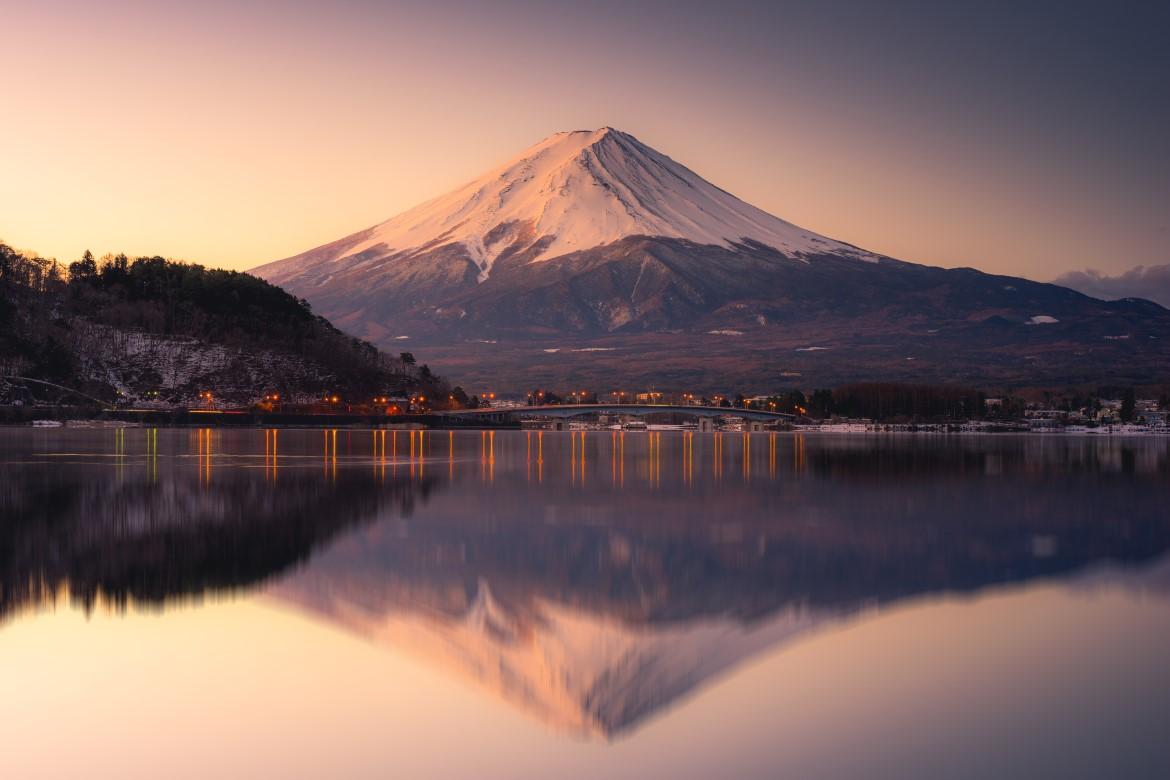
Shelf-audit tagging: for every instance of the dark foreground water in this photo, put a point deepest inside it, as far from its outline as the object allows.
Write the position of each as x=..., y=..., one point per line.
x=221, y=603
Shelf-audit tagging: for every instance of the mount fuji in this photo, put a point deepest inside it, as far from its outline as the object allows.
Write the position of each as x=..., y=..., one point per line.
x=593, y=259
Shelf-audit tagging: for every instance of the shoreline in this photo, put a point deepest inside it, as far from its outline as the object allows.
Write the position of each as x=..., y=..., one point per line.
x=252, y=423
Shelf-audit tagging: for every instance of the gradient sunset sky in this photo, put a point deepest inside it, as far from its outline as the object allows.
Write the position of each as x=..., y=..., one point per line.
x=1026, y=138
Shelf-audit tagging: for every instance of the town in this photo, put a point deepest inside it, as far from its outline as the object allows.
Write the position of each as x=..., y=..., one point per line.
x=854, y=408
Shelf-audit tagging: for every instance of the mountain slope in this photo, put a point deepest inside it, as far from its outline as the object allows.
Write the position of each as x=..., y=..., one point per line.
x=590, y=250
x=570, y=192
x=155, y=331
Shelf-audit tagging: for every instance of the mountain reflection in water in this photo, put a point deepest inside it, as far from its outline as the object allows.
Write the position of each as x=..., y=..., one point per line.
x=591, y=579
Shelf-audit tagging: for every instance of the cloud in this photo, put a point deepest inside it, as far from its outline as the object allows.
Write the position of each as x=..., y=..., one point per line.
x=1149, y=282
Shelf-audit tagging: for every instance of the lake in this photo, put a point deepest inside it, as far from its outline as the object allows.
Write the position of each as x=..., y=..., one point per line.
x=191, y=603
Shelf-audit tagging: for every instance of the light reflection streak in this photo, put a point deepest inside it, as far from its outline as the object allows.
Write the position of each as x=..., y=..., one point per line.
x=654, y=451
x=747, y=457
x=658, y=461
x=152, y=453
x=119, y=451
x=717, y=456
x=270, y=453
x=203, y=440
x=613, y=457
x=621, y=459
x=772, y=455
x=330, y=454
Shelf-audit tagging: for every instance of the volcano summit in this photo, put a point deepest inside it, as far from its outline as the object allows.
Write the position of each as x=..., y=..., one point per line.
x=594, y=260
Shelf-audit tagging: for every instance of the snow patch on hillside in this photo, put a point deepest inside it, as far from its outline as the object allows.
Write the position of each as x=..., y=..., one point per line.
x=578, y=672
x=151, y=369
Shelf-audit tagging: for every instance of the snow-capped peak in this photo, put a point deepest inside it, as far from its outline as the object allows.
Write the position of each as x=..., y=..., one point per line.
x=576, y=191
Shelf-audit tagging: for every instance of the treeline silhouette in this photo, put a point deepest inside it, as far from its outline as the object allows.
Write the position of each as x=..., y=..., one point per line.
x=890, y=400
x=42, y=303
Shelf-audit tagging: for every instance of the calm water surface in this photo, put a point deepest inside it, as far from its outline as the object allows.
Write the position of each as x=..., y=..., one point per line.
x=307, y=603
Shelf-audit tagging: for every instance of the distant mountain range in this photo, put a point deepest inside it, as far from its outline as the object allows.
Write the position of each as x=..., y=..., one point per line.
x=593, y=260
x=1150, y=282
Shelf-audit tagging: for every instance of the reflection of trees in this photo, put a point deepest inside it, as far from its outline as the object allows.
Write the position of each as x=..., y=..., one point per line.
x=596, y=607
x=855, y=522
x=863, y=458
x=152, y=542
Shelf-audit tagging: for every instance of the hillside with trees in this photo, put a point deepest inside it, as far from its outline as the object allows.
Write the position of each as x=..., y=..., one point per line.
x=158, y=331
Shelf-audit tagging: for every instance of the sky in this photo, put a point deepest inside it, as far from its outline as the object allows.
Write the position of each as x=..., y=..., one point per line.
x=1023, y=138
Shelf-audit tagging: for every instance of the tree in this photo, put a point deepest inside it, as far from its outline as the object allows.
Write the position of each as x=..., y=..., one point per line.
x=84, y=269
x=895, y=401
x=539, y=397
x=821, y=403
x=1128, y=404
x=792, y=402
x=115, y=269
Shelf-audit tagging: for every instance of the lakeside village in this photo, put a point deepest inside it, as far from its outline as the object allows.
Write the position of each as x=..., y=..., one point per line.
x=884, y=408
x=854, y=408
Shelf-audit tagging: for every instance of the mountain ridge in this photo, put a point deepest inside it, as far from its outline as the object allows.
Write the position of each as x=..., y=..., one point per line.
x=544, y=199
x=592, y=236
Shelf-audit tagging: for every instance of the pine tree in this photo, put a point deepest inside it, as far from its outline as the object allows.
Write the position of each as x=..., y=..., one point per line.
x=1128, y=404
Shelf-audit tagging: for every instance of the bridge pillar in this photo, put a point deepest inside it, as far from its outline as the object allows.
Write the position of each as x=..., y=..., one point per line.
x=755, y=426
x=559, y=425
x=706, y=424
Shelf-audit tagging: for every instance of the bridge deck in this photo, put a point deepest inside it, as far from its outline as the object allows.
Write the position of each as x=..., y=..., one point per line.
x=637, y=410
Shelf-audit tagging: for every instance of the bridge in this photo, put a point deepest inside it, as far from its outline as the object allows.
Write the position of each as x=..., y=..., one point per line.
x=508, y=414
x=61, y=389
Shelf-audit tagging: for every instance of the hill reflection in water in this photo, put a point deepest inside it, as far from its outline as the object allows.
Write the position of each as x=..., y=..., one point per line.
x=591, y=579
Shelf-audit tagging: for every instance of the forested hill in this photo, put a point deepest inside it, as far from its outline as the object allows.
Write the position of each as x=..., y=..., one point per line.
x=156, y=330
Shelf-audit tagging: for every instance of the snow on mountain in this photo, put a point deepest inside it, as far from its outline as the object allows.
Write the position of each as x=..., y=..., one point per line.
x=575, y=191
x=593, y=235
x=576, y=671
